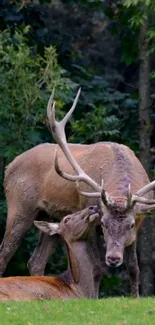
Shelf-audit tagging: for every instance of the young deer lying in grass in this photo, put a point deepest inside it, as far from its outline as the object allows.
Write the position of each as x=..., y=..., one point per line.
x=80, y=280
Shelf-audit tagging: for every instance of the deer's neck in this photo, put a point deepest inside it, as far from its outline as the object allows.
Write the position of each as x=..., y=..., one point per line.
x=84, y=262
x=94, y=255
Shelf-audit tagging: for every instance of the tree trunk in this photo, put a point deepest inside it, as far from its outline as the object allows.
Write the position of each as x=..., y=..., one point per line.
x=144, y=99
x=2, y=166
x=144, y=242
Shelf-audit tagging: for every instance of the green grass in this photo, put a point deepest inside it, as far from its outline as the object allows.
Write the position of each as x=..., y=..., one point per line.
x=113, y=311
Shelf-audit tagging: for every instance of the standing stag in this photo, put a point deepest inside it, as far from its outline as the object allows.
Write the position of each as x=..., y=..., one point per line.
x=33, y=189
x=81, y=280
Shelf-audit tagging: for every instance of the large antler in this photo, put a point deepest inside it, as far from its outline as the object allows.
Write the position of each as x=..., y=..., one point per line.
x=132, y=199
x=58, y=132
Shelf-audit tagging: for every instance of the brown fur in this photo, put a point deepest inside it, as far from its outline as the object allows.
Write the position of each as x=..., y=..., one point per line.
x=77, y=230
x=36, y=288
x=33, y=177
x=32, y=184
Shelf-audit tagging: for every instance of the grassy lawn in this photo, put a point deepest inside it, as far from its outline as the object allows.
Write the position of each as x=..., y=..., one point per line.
x=113, y=311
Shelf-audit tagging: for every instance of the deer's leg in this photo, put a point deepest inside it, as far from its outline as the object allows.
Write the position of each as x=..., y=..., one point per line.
x=44, y=249
x=16, y=227
x=133, y=268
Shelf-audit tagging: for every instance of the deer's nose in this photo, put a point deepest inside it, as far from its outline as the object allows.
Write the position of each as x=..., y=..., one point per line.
x=93, y=208
x=113, y=260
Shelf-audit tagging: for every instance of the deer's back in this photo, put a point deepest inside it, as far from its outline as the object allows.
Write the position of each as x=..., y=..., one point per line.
x=33, y=177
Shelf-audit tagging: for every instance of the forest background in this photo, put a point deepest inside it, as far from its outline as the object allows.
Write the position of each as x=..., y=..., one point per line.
x=106, y=47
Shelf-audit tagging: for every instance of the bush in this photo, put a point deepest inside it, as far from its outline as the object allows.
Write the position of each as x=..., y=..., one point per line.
x=27, y=80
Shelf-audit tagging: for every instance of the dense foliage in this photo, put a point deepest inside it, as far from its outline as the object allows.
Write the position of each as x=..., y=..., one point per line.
x=26, y=83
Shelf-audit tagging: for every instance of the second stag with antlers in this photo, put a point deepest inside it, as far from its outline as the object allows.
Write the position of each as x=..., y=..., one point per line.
x=115, y=177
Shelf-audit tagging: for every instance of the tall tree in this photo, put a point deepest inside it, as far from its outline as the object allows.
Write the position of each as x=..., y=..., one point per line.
x=145, y=153
x=144, y=96
x=140, y=20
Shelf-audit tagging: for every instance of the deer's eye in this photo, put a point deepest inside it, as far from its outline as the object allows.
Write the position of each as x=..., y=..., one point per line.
x=132, y=225
x=93, y=208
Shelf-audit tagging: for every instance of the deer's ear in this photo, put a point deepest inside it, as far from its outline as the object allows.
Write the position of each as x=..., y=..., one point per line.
x=47, y=227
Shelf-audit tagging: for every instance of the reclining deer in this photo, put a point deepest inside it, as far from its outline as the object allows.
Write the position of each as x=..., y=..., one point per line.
x=33, y=185
x=81, y=280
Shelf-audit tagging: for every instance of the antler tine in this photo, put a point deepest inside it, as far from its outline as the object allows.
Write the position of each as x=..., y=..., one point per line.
x=58, y=132
x=103, y=193
x=147, y=188
x=107, y=200
x=49, y=105
x=88, y=194
x=129, y=197
x=62, y=124
x=67, y=176
x=67, y=116
x=138, y=196
x=138, y=199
